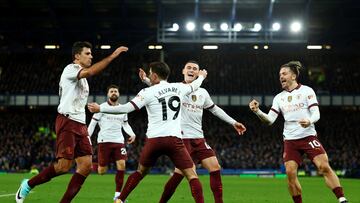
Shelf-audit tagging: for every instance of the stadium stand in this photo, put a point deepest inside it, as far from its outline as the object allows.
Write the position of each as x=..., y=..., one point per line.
x=28, y=138
x=253, y=73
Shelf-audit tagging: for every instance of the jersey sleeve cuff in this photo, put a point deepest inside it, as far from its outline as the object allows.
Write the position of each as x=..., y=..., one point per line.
x=77, y=76
x=314, y=104
x=135, y=106
x=272, y=109
x=210, y=107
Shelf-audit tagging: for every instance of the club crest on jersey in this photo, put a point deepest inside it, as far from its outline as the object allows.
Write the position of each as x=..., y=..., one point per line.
x=289, y=98
x=140, y=97
x=193, y=97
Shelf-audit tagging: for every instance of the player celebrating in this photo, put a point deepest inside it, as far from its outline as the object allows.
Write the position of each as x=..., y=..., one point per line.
x=72, y=141
x=299, y=106
x=192, y=134
x=162, y=101
x=110, y=138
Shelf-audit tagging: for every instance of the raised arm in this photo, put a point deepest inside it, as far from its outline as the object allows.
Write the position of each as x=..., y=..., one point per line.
x=220, y=113
x=101, y=65
x=119, y=109
x=143, y=77
x=266, y=118
x=197, y=83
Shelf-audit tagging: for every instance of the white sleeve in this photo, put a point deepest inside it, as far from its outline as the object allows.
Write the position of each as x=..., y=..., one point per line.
x=315, y=114
x=127, y=128
x=146, y=81
x=119, y=109
x=267, y=118
x=208, y=103
x=217, y=111
x=95, y=119
x=140, y=100
x=313, y=105
x=311, y=98
x=72, y=71
x=193, y=86
x=272, y=115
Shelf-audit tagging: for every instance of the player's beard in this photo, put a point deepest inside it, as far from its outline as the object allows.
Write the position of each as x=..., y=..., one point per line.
x=114, y=98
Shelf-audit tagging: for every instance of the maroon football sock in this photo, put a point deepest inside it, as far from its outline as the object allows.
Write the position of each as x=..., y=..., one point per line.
x=196, y=190
x=170, y=187
x=297, y=199
x=43, y=177
x=216, y=186
x=338, y=191
x=119, y=179
x=73, y=188
x=130, y=184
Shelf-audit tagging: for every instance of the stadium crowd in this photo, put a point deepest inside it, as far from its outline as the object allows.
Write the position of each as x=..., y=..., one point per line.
x=328, y=73
x=27, y=140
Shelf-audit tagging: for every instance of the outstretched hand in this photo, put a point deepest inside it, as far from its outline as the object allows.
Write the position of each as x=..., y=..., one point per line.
x=240, y=128
x=203, y=72
x=142, y=74
x=118, y=51
x=93, y=107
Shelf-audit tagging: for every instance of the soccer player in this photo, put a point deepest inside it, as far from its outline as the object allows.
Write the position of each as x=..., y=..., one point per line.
x=110, y=138
x=72, y=141
x=299, y=106
x=162, y=101
x=192, y=134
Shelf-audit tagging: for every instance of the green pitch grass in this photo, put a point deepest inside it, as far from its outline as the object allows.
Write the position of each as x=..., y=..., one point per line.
x=98, y=189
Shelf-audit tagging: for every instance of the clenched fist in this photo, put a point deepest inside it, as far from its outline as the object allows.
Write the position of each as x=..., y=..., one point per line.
x=254, y=105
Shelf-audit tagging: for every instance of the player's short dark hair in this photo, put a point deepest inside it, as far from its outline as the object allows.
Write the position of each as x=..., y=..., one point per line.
x=294, y=66
x=112, y=86
x=193, y=61
x=78, y=47
x=161, y=69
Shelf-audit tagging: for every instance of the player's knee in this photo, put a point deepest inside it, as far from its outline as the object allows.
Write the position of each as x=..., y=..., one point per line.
x=62, y=169
x=291, y=173
x=213, y=168
x=84, y=169
x=101, y=170
x=120, y=166
x=62, y=166
x=324, y=169
x=143, y=170
x=216, y=167
x=192, y=176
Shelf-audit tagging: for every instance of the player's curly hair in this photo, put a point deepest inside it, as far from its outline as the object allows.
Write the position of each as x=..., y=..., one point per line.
x=294, y=66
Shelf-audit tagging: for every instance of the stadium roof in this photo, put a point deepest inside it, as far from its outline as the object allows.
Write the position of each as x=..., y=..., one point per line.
x=30, y=23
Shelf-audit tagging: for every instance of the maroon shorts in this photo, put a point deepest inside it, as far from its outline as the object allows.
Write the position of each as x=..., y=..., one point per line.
x=109, y=151
x=198, y=149
x=72, y=138
x=294, y=149
x=173, y=147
